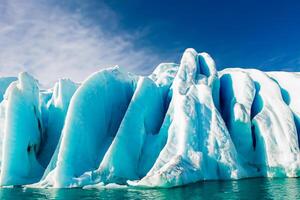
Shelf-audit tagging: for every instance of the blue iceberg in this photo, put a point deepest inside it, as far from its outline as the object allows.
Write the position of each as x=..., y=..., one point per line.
x=181, y=124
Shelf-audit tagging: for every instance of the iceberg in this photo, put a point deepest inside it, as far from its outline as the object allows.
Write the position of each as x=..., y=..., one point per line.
x=183, y=123
x=22, y=133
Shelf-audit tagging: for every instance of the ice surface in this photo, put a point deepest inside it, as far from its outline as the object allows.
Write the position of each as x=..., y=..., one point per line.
x=181, y=124
x=288, y=85
x=237, y=94
x=55, y=112
x=4, y=83
x=22, y=133
x=198, y=144
x=94, y=115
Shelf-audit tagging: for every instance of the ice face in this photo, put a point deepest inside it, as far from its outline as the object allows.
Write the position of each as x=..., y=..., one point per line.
x=274, y=129
x=198, y=144
x=237, y=93
x=181, y=124
x=22, y=133
x=4, y=83
x=121, y=161
x=94, y=115
x=287, y=83
x=55, y=110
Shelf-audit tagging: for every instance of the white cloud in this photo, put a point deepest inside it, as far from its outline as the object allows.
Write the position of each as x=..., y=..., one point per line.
x=50, y=43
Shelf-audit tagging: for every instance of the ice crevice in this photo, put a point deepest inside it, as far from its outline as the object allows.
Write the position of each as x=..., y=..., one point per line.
x=183, y=123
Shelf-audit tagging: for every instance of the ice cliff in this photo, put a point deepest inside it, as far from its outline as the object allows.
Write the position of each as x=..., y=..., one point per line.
x=181, y=124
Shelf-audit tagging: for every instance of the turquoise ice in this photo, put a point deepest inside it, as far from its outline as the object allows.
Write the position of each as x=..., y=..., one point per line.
x=183, y=123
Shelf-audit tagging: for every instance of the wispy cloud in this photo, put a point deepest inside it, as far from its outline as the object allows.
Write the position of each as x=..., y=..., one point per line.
x=284, y=62
x=51, y=42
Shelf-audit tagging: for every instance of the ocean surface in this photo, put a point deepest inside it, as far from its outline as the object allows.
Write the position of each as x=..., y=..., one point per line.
x=259, y=188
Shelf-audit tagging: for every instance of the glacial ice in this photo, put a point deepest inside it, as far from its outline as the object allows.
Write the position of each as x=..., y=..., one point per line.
x=22, y=133
x=181, y=124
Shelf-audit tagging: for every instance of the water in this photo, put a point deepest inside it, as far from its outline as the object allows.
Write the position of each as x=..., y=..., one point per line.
x=242, y=189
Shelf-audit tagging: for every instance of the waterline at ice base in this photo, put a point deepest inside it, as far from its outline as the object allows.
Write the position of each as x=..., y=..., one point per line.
x=182, y=124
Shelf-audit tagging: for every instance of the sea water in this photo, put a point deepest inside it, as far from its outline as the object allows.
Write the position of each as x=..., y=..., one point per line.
x=259, y=188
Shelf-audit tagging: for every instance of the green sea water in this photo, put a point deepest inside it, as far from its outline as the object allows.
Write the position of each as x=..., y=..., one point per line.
x=259, y=188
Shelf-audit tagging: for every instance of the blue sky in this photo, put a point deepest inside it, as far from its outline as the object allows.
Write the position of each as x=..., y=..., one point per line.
x=54, y=39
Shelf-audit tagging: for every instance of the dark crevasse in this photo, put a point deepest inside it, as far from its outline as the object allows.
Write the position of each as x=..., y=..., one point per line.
x=256, y=108
x=258, y=103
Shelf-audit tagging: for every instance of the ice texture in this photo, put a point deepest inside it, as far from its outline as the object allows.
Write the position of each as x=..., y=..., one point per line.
x=183, y=123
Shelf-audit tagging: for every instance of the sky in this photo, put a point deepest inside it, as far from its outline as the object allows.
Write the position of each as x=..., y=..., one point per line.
x=74, y=38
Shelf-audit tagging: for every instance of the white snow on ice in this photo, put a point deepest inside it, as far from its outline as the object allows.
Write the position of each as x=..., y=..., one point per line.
x=181, y=124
